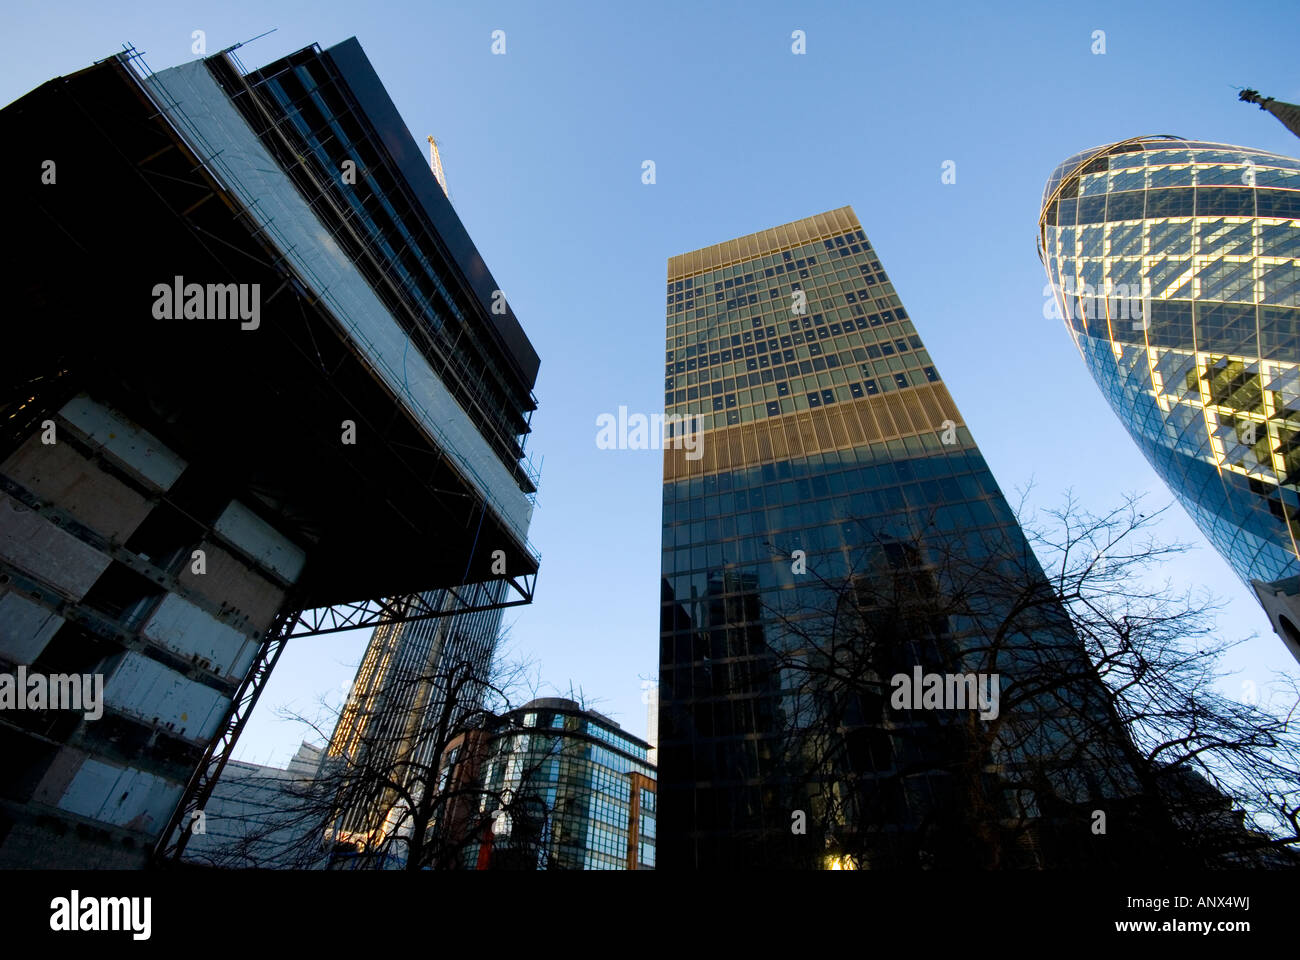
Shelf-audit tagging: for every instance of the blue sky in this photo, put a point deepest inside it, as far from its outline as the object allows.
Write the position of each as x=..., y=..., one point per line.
x=543, y=149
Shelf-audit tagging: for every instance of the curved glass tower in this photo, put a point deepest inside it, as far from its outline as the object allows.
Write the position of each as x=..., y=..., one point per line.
x=1173, y=264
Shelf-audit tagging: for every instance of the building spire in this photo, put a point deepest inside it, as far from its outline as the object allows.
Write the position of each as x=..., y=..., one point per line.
x=435, y=163
x=1288, y=113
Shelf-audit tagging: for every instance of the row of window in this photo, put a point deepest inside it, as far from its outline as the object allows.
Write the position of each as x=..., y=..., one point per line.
x=753, y=294
x=1131, y=157
x=1189, y=175
x=762, y=392
x=819, y=335
x=750, y=293
x=1175, y=202
x=838, y=352
x=739, y=284
x=701, y=329
x=589, y=726
x=719, y=348
x=827, y=351
x=778, y=307
x=1209, y=237
x=843, y=353
x=744, y=271
x=1154, y=154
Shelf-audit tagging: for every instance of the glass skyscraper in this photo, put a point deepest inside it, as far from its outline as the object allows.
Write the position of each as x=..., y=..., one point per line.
x=825, y=433
x=1174, y=266
x=579, y=788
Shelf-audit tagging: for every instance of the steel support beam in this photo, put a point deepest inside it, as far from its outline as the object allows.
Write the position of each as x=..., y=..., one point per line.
x=380, y=612
x=307, y=623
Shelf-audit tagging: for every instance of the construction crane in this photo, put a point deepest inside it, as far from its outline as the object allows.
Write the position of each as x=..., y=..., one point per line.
x=435, y=161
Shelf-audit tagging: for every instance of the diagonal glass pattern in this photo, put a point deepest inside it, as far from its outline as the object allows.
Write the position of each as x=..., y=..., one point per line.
x=1184, y=302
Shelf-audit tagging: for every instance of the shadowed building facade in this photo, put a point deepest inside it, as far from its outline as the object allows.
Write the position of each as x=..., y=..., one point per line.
x=826, y=436
x=1174, y=266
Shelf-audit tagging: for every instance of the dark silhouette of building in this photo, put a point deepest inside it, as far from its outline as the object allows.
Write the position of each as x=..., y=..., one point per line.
x=264, y=387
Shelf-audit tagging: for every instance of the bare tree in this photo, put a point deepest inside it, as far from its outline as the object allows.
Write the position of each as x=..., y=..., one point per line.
x=430, y=769
x=397, y=785
x=1224, y=774
x=403, y=780
x=1109, y=744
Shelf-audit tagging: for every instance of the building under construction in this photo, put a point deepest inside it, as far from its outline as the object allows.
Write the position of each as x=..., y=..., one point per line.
x=257, y=384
